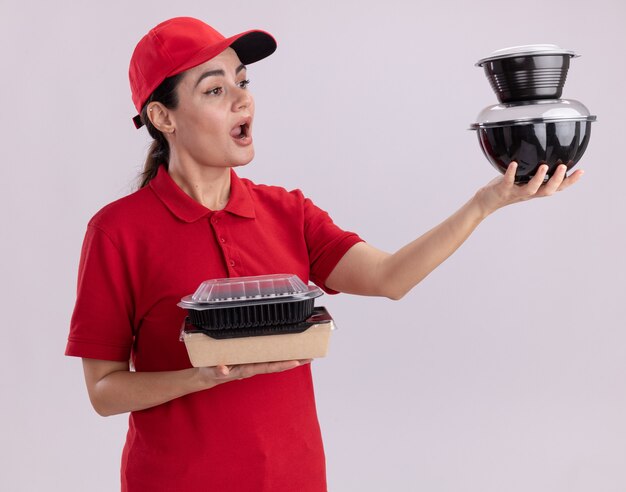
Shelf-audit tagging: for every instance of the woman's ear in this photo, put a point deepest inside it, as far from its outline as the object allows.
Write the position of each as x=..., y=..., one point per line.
x=160, y=118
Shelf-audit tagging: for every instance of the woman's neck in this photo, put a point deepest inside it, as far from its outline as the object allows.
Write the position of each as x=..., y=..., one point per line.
x=209, y=186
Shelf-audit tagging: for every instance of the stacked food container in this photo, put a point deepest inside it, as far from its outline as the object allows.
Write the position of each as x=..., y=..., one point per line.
x=531, y=125
x=254, y=319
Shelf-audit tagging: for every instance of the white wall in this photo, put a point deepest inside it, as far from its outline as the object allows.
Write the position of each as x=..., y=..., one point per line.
x=503, y=371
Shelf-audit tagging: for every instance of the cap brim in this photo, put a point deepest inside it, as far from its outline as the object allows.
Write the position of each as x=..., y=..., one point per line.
x=253, y=46
x=250, y=46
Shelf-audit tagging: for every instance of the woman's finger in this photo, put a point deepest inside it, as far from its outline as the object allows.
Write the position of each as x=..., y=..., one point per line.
x=509, y=175
x=224, y=373
x=536, y=181
x=555, y=181
x=571, y=179
x=279, y=366
x=249, y=370
x=286, y=365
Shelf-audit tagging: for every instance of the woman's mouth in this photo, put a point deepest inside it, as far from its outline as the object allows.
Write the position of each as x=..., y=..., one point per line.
x=241, y=132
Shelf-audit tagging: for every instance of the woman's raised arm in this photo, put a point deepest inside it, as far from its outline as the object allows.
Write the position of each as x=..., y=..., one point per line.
x=365, y=270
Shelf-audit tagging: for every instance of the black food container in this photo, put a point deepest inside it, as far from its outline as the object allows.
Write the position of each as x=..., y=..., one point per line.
x=250, y=306
x=525, y=73
x=551, y=132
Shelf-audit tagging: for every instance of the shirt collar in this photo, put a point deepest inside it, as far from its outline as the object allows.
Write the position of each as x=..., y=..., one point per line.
x=187, y=209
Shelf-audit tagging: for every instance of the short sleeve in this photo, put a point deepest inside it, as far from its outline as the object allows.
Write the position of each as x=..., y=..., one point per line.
x=101, y=325
x=326, y=243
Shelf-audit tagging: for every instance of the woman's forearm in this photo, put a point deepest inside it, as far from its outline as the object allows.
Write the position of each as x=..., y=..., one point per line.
x=401, y=271
x=121, y=390
x=365, y=270
x=113, y=389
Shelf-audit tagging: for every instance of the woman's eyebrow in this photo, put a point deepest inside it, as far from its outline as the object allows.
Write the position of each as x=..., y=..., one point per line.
x=218, y=72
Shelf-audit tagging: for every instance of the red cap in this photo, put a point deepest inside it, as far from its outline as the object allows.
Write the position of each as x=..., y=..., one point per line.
x=181, y=43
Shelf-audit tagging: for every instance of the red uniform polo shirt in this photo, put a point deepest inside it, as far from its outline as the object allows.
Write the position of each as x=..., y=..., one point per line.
x=140, y=256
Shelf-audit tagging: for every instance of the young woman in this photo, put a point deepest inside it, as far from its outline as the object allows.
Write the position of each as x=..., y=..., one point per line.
x=219, y=428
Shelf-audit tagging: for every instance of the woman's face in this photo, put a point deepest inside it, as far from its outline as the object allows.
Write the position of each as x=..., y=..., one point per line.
x=213, y=120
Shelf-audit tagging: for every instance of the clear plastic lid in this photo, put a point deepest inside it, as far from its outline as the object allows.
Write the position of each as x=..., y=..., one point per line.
x=539, y=111
x=526, y=50
x=262, y=288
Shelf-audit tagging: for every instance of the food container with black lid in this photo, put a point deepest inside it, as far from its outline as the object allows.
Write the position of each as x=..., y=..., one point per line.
x=531, y=125
x=529, y=72
x=250, y=302
x=254, y=319
x=551, y=132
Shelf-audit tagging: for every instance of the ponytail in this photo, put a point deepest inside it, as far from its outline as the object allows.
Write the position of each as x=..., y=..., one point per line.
x=159, y=151
x=158, y=154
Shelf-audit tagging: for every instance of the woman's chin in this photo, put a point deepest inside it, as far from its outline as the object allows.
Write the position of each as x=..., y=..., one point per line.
x=244, y=160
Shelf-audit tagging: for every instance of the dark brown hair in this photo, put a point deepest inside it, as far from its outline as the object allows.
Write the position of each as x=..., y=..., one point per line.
x=159, y=151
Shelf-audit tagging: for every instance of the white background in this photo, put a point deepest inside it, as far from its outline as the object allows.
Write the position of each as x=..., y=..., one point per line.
x=502, y=371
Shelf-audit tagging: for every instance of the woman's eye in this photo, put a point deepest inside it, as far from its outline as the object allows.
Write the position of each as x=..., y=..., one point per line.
x=215, y=92
x=244, y=83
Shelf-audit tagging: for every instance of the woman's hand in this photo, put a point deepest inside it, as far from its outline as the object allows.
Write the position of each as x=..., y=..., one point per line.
x=223, y=374
x=503, y=191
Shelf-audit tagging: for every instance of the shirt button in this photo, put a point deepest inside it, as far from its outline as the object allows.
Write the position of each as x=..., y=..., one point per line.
x=222, y=240
x=214, y=220
x=231, y=263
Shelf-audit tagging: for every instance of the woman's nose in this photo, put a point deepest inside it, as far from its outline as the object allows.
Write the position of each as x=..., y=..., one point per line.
x=243, y=99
